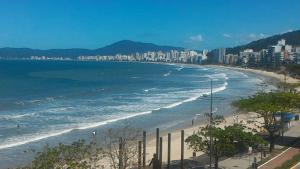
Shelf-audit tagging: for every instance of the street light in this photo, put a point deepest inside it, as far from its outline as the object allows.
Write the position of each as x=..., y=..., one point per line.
x=210, y=125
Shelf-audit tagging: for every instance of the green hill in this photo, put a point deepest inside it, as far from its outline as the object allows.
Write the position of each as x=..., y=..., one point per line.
x=292, y=38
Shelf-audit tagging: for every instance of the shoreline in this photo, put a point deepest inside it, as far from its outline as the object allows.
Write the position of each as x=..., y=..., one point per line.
x=269, y=74
x=151, y=142
x=273, y=75
x=189, y=129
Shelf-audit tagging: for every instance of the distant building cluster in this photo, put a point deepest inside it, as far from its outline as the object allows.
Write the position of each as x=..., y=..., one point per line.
x=272, y=57
x=173, y=56
x=47, y=58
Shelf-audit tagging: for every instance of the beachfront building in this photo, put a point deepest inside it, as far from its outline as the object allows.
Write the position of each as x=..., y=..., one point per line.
x=279, y=54
x=217, y=56
x=231, y=59
x=204, y=54
x=295, y=55
x=249, y=58
x=263, y=58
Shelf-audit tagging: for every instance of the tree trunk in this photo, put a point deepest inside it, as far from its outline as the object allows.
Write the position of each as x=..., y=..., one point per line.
x=216, y=162
x=272, y=141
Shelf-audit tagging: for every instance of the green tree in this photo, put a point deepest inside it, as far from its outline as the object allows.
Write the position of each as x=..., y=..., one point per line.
x=267, y=105
x=226, y=142
x=75, y=156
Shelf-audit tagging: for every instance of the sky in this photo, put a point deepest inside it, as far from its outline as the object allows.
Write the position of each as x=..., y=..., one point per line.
x=194, y=24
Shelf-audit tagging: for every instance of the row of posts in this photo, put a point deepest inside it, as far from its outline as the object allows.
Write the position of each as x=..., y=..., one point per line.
x=159, y=152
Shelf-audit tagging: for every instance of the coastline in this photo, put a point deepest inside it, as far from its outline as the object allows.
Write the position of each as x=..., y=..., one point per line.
x=176, y=142
x=229, y=119
x=276, y=76
x=269, y=74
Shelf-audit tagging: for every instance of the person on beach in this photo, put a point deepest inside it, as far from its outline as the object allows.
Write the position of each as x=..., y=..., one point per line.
x=154, y=162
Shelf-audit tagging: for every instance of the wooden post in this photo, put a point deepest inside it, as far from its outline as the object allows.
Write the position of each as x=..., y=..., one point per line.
x=160, y=152
x=120, y=153
x=182, y=148
x=169, y=150
x=144, y=149
x=140, y=155
x=157, y=142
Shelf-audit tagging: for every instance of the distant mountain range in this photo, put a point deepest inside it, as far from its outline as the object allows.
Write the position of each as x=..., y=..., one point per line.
x=120, y=47
x=292, y=38
x=131, y=47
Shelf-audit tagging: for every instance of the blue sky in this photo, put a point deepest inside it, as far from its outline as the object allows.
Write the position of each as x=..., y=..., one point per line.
x=188, y=23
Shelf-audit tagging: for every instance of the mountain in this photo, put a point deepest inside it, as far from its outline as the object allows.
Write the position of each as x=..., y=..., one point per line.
x=130, y=47
x=121, y=47
x=292, y=38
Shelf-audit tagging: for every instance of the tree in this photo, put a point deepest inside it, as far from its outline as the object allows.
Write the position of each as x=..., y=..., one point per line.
x=78, y=155
x=128, y=138
x=226, y=142
x=62, y=156
x=267, y=105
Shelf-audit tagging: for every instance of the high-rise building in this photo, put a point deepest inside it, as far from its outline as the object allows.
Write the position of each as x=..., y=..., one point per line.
x=218, y=56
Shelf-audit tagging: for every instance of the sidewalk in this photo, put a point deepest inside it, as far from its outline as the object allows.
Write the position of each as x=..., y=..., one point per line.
x=278, y=160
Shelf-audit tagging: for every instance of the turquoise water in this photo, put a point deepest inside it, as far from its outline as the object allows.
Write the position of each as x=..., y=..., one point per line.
x=55, y=102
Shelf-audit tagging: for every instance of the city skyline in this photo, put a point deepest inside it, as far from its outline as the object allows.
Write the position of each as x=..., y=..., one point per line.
x=193, y=24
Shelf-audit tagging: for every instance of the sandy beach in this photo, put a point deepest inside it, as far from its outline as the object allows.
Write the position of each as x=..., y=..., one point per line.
x=230, y=120
x=273, y=75
x=244, y=119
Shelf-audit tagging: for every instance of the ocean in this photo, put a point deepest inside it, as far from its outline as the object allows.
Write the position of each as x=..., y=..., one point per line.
x=47, y=102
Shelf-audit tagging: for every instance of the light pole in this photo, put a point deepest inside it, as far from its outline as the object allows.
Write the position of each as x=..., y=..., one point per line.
x=210, y=126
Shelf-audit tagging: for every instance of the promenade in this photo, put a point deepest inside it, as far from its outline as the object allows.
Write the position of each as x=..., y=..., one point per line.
x=245, y=161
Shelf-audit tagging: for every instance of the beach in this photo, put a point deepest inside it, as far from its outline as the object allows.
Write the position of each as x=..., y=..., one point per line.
x=242, y=119
x=100, y=95
x=273, y=75
x=229, y=120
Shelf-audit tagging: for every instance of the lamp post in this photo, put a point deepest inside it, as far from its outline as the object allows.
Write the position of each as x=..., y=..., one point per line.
x=210, y=126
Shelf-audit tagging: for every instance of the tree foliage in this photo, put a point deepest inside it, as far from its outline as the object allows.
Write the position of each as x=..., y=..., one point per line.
x=226, y=142
x=267, y=105
x=63, y=156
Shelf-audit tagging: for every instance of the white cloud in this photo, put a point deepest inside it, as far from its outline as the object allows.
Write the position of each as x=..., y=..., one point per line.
x=256, y=36
x=196, y=38
x=252, y=36
x=226, y=35
x=287, y=31
x=262, y=35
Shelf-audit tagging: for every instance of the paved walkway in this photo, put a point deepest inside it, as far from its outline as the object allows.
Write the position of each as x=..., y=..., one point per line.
x=278, y=160
x=297, y=166
x=245, y=161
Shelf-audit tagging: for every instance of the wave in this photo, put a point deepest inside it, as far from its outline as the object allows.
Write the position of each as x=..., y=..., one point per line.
x=218, y=75
x=20, y=103
x=12, y=142
x=150, y=89
x=16, y=116
x=179, y=68
x=59, y=109
x=97, y=124
x=34, y=101
x=16, y=141
x=167, y=74
x=215, y=90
